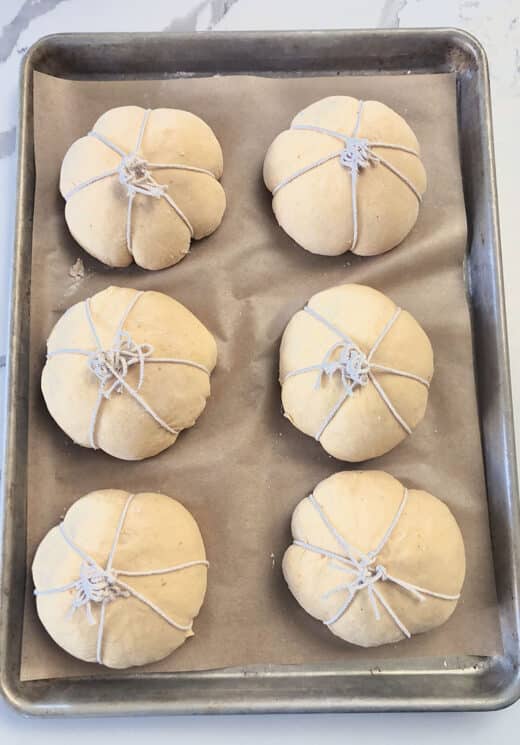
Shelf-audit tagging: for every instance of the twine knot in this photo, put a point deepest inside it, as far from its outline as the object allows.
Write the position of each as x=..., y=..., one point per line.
x=134, y=174
x=367, y=574
x=356, y=154
x=95, y=585
x=110, y=366
x=351, y=363
x=364, y=573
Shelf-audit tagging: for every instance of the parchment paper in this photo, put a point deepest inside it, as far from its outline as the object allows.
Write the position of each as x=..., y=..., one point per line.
x=243, y=467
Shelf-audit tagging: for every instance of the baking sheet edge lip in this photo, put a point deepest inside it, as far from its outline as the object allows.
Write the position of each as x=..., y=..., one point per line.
x=15, y=294
x=447, y=33
x=509, y=466
x=244, y=702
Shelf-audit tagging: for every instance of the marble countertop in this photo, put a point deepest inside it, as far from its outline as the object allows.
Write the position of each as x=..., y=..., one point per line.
x=496, y=23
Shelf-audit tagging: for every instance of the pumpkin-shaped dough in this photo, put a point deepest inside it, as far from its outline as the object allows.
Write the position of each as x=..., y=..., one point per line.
x=121, y=579
x=141, y=185
x=126, y=371
x=374, y=561
x=346, y=176
x=355, y=372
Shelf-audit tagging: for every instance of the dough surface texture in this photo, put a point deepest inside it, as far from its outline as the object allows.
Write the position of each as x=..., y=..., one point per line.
x=355, y=372
x=121, y=579
x=347, y=175
x=126, y=371
x=141, y=185
x=374, y=561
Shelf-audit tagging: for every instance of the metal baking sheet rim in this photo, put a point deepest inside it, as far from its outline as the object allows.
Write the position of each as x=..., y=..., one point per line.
x=440, y=684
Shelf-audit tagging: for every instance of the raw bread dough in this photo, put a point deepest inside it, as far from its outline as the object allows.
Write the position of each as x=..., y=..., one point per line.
x=316, y=208
x=157, y=533
x=157, y=326
x=364, y=425
x=157, y=236
x=424, y=549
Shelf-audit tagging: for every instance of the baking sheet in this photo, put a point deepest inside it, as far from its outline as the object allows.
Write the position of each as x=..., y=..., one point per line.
x=243, y=467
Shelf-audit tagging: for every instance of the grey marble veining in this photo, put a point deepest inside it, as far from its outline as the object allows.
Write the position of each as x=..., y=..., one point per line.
x=7, y=142
x=203, y=15
x=28, y=11
x=9, y=36
x=391, y=13
x=188, y=21
x=216, y=9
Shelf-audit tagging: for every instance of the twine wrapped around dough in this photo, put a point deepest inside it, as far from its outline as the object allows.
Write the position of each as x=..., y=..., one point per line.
x=356, y=155
x=110, y=367
x=98, y=585
x=365, y=572
x=356, y=369
x=134, y=173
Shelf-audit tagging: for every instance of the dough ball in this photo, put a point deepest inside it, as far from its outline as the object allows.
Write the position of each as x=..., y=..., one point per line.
x=141, y=185
x=364, y=191
x=110, y=582
x=126, y=371
x=355, y=372
x=374, y=561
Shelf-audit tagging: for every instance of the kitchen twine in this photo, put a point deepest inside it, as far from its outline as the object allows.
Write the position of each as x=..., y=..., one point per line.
x=356, y=155
x=366, y=576
x=135, y=175
x=111, y=366
x=103, y=586
x=355, y=368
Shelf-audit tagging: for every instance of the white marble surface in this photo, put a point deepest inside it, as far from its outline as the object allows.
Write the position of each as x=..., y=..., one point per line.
x=497, y=24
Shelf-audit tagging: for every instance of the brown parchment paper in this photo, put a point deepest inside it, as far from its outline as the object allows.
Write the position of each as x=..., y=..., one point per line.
x=243, y=467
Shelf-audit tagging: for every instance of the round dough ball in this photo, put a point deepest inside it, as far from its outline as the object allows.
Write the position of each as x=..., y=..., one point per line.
x=126, y=371
x=355, y=372
x=364, y=191
x=374, y=561
x=123, y=606
x=141, y=185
